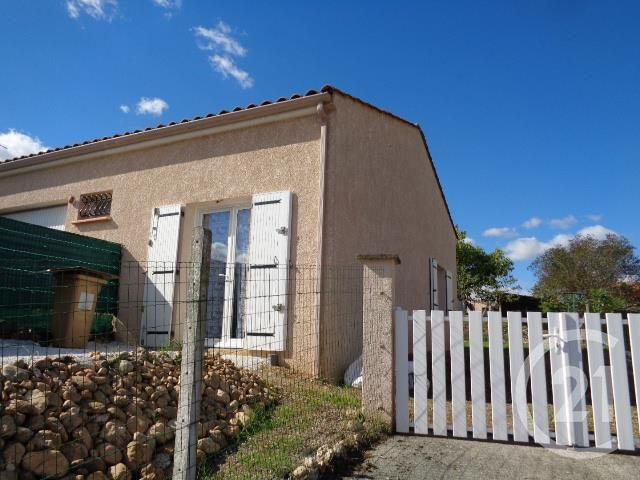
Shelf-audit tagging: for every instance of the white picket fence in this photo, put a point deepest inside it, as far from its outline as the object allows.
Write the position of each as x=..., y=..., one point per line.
x=583, y=400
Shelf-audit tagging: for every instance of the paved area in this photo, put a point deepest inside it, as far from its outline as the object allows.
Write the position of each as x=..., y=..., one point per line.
x=413, y=458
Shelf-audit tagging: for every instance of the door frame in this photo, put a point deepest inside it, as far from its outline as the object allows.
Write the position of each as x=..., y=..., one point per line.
x=231, y=206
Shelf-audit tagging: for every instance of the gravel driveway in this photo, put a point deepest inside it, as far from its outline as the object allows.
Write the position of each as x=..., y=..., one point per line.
x=413, y=458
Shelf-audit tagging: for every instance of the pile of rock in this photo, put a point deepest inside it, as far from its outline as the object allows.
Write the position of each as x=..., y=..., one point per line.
x=324, y=460
x=113, y=417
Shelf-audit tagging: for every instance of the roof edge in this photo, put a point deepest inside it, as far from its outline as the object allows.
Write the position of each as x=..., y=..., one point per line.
x=139, y=137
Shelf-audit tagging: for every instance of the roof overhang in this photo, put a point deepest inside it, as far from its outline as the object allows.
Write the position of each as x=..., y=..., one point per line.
x=259, y=115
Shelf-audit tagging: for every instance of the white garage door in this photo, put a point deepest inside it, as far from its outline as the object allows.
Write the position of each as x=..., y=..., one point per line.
x=52, y=217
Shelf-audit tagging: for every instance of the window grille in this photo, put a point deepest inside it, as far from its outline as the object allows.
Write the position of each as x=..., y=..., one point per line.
x=93, y=205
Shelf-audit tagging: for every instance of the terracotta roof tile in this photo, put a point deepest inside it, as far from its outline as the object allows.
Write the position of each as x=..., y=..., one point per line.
x=184, y=120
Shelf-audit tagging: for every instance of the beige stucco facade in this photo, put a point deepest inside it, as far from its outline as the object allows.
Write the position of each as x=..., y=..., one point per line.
x=363, y=185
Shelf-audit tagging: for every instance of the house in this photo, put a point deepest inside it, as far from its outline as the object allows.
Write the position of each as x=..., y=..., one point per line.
x=310, y=180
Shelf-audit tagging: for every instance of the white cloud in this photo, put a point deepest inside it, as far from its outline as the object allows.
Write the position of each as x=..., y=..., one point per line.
x=533, y=222
x=500, y=232
x=226, y=50
x=564, y=223
x=124, y=108
x=219, y=38
x=168, y=4
x=97, y=9
x=528, y=248
x=596, y=231
x=469, y=240
x=17, y=144
x=226, y=66
x=151, y=106
x=595, y=218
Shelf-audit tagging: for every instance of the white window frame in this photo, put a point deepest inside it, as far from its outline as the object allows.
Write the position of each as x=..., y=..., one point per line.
x=232, y=207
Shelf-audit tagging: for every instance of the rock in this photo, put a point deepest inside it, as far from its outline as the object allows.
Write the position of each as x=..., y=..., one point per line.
x=140, y=451
x=162, y=460
x=38, y=400
x=119, y=472
x=151, y=472
x=44, y=439
x=23, y=434
x=7, y=426
x=82, y=435
x=162, y=432
x=340, y=450
x=15, y=374
x=125, y=366
x=19, y=405
x=96, y=407
x=109, y=453
x=97, y=476
x=116, y=432
x=46, y=463
x=222, y=397
x=71, y=419
x=74, y=451
x=36, y=422
x=304, y=473
x=83, y=383
x=55, y=425
x=138, y=424
x=242, y=418
x=208, y=446
x=13, y=453
x=324, y=456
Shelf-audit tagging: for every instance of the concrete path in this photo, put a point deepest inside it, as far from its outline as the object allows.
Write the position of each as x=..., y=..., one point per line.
x=413, y=458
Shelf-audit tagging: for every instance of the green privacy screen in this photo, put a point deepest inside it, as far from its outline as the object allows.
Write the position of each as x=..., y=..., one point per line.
x=26, y=288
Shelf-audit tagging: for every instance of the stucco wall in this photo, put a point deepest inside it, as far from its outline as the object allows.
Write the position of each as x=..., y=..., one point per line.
x=382, y=197
x=231, y=165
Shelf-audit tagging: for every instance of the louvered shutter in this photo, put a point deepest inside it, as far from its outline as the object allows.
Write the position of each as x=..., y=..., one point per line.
x=450, y=292
x=434, y=285
x=160, y=277
x=266, y=314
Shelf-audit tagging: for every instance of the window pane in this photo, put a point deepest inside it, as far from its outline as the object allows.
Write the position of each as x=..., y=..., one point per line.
x=241, y=269
x=218, y=223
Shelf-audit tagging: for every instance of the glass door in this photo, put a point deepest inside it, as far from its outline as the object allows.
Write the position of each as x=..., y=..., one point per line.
x=226, y=295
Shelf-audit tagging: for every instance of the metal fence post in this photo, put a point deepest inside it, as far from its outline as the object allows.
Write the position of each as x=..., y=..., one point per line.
x=184, y=467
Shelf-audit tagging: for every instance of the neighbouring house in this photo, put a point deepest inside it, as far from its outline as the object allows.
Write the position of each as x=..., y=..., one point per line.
x=313, y=179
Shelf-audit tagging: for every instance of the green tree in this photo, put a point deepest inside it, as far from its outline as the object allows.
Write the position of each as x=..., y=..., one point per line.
x=484, y=277
x=585, y=275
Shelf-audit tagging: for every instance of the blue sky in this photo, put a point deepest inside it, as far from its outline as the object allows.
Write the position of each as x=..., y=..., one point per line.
x=531, y=108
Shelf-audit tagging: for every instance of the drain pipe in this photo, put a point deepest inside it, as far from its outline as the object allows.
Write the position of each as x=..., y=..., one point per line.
x=321, y=111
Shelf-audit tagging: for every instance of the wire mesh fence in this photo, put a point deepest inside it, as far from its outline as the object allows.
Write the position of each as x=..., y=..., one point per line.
x=95, y=366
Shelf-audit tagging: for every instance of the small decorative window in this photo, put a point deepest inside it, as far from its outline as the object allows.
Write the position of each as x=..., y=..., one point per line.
x=94, y=205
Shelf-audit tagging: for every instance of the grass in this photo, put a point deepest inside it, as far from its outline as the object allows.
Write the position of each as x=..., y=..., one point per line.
x=275, y=441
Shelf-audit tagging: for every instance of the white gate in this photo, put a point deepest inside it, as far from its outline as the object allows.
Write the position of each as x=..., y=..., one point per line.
x=521, y=379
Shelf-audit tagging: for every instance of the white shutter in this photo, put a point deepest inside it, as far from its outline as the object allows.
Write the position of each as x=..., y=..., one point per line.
x=160, y=277
x=434, y=285
x=266, y=315
x=450, y=292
